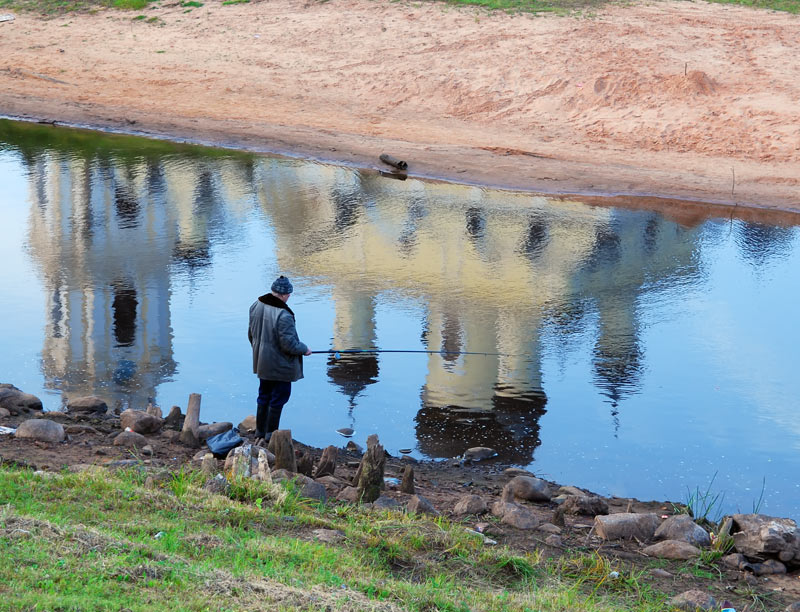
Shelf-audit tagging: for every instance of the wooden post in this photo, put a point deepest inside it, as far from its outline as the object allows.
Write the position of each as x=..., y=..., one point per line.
x=281, y=445
x=192, y=422
x=327, y=463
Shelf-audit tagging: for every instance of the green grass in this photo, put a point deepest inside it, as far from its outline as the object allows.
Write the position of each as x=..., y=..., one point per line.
x=104, y=541
x=563, y=7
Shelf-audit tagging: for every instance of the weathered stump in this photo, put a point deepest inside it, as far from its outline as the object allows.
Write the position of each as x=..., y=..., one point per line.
x=191, y=424
x=407, y=484
x=281, y=445
x=305, y=465
x=327, y=463
x=372, y=466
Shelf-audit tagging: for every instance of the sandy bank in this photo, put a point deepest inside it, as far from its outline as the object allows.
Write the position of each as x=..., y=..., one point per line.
x=679, y=99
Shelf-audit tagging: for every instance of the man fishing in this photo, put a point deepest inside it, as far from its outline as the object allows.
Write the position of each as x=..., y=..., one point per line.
x=277, y=355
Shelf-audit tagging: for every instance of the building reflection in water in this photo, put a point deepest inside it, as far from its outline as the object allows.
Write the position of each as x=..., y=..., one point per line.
x=492, y=272
x=106, y=233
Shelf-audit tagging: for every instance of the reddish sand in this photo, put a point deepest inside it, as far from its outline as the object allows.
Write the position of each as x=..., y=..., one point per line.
x=677, y=99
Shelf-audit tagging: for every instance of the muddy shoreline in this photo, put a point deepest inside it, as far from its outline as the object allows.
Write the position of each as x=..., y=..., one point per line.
x=683, y=204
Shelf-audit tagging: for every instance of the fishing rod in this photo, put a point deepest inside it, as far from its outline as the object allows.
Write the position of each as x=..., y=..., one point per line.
x=336, y=352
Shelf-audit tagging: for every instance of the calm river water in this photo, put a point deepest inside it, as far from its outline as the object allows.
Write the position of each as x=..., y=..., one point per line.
x=638, y=356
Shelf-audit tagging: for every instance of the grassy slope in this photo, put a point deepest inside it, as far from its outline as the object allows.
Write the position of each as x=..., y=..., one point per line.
x=102, y=540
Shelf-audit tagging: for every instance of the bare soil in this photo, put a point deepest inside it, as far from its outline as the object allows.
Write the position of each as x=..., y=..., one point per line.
x=684, y=100
x=443, y=484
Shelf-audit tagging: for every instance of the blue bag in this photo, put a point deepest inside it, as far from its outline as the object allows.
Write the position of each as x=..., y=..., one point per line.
x=221, y=444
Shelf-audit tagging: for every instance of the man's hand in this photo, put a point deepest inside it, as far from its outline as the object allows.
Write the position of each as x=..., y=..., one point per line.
x=308, y=352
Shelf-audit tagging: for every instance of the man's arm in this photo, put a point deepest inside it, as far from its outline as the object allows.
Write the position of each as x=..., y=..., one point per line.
x=287, y=336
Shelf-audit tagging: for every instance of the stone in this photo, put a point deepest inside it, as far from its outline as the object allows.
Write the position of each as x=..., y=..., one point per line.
x=585, y=505
x=528, y=488
x=553, y=540
x=627, y=526
x=353, y=447
x=139, y=421
x=174, y=419
x=672, y=549
x=262, y=472
x=329, y=536
x=736, y=561
x=682, y=527
x=420, y=505
x=240, y=466
x=795, y=607
x=387, y=503
x=570, y=491
x=204, y=432
x=130, y=439
x=154, y=410
x=16, y=401
x=248, y=424
x=768, y=567
x=209, y=465
x=499, y=508
x=407, y=483
x=758, y=536
x=217, y=485
x=550, y=528
x=660, y=573
x=693, y=601
x=4, y=412
x=513, y=471
x=479, y=453
x=147, y=450
x=80, y=429
x=470, y=504
x=349, y=494
x=90, y=403
x=307, y=487
x=43, y=430
x=519, y=517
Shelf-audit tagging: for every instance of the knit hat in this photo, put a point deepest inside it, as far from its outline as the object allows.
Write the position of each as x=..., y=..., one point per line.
x=282, y=286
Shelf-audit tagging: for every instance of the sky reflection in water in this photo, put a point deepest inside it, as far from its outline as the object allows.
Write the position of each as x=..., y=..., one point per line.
x=639, y=356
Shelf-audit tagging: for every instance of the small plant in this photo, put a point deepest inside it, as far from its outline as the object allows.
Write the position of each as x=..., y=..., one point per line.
x=757, y=504
x=699, y=505
x=192, y=3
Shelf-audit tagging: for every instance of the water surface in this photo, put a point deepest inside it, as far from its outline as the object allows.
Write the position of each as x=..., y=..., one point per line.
x=637, y=355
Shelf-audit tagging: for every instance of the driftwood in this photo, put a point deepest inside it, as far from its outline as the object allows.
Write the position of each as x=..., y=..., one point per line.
x=189, y=435
x=407, y=484
x=370, y=482
x=281, y=445
x=327, y=463
x=393, y=161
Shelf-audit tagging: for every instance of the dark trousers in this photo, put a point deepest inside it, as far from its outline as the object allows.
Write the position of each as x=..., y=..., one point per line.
x=272, y=395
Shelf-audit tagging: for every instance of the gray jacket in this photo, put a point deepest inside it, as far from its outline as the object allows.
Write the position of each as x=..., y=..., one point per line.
x=277, y=351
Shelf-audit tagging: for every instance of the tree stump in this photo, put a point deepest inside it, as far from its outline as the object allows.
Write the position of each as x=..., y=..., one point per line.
x=407, y=484
x=281, y=445
x=327, y=463
x=173, y=419
x=305, y=464
x=189, y=435
x=154, y=410
x=370, y=482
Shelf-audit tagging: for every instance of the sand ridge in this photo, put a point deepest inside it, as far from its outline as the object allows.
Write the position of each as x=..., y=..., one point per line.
x=680, y=99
